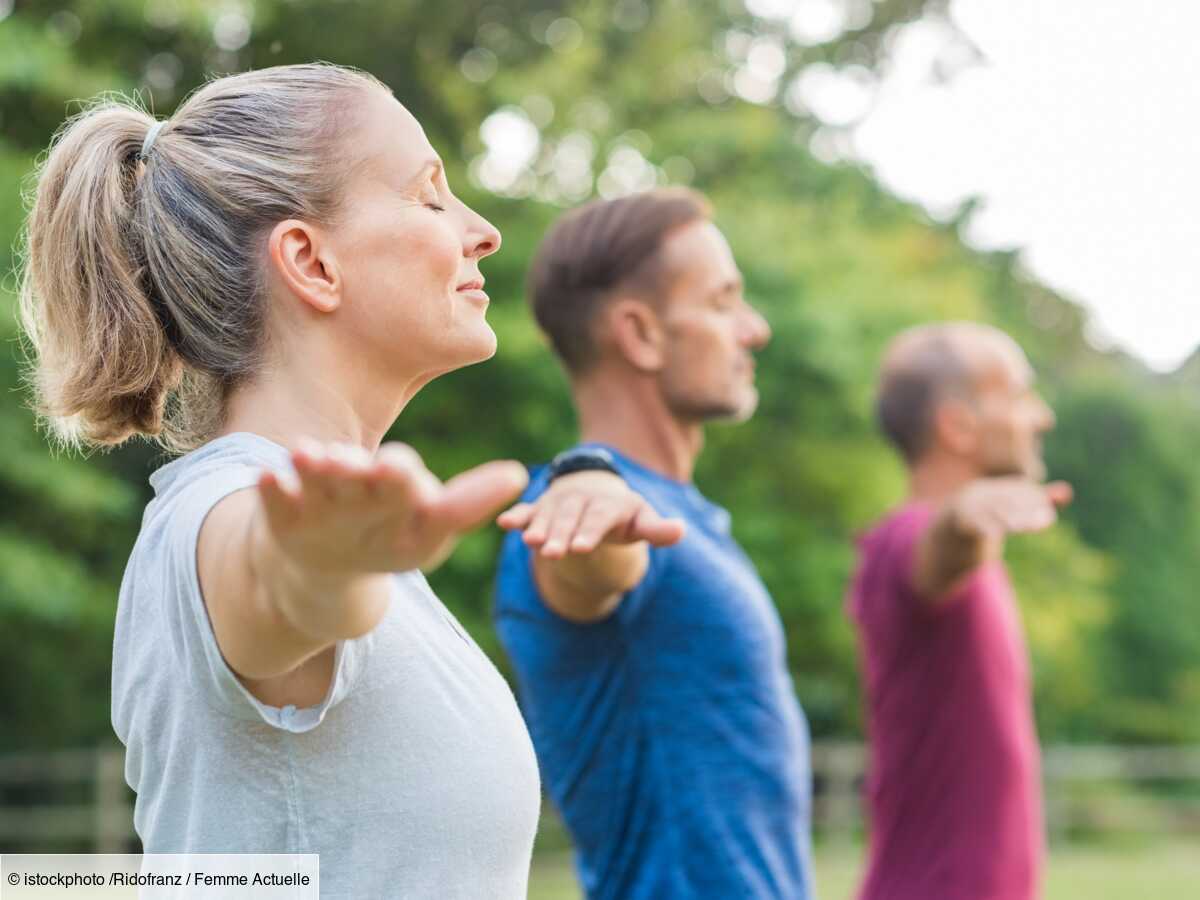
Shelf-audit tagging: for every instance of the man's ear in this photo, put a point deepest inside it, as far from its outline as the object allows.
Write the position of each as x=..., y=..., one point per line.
x=956, y=427
x=637, y=333
x=301, y=259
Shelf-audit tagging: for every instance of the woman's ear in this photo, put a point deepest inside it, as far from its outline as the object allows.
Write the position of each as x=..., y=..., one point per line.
x=637, y=333
x=304, y=263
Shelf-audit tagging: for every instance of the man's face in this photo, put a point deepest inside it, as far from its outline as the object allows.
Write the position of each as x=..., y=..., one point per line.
x=711, y=332
x=1011, y=417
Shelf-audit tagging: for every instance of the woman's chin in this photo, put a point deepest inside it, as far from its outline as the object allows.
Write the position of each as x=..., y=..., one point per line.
x=479, y=345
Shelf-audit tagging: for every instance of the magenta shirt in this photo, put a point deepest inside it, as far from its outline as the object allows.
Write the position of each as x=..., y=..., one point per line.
x=953, y=791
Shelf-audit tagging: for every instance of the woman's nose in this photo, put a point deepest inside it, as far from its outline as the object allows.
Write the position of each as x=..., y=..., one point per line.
x=483, y=238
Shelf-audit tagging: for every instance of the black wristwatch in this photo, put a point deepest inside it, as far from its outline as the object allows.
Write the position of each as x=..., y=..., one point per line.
x=582, y=459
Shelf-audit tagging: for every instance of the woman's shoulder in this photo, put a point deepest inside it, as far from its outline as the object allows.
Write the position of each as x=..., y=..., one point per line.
x=228, y=452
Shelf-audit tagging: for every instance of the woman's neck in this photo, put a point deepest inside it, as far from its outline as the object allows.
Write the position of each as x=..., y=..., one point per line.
x=324, y=402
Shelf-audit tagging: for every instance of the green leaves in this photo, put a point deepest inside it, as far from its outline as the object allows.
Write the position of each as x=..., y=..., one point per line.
x=835, y=264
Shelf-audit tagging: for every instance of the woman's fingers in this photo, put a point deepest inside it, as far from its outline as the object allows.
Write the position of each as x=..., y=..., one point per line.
x=399, y=478
x=517, y=517
x=311, y=463
x=350, y=467
x=280, y=497
x=470, y=498
x=334, y=472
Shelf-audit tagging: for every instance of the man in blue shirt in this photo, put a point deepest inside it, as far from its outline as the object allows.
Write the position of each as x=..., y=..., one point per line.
x=650, y=657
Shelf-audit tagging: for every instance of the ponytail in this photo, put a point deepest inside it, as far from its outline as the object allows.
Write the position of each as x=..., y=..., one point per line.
x=106, y=363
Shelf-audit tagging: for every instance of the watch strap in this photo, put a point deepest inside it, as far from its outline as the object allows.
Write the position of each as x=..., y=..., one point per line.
x=583, y=459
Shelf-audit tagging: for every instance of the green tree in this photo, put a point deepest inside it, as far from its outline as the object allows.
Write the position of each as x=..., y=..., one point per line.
x=610, y=96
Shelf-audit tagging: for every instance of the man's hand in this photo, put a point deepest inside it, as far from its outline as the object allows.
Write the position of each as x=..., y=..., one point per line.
x=990, y=508
x=579, y=512
x=971, y=526
x=588, y=533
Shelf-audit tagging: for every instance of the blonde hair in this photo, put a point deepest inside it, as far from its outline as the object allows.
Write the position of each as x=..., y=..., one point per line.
x=142, y=291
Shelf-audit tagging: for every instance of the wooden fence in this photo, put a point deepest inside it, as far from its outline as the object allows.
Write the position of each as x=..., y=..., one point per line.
x=1089, y=789
x=78, y=799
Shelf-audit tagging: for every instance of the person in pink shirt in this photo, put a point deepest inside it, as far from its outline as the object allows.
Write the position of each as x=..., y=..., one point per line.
x=953, y=791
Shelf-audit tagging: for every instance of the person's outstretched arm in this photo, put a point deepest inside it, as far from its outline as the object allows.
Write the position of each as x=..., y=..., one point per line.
x=589, y=535
x=292, y=567
x=970, y=528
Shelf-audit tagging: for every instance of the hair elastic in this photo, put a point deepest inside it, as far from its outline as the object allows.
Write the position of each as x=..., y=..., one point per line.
x=150, y=136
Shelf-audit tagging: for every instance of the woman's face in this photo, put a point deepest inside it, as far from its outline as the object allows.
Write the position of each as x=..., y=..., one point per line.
x=408, y=251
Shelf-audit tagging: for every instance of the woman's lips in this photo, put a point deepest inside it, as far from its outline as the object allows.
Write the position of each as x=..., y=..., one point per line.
x=479, y=297
x=473, y=291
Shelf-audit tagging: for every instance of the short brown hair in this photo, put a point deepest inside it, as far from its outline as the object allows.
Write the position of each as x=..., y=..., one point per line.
x=595, y=249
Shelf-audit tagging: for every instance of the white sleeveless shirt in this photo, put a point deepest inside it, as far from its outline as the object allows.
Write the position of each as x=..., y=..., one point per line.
x=414, y=777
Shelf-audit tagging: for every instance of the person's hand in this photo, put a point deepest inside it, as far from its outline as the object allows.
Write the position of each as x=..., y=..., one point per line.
x=972, y=524
x=581, y=511
x=990, y=508
x=347, y=512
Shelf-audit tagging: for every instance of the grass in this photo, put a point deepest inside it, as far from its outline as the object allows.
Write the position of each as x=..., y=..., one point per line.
x=1167, y=871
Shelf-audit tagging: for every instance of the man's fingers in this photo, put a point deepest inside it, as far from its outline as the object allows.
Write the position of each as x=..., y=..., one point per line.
x=475, y=495
x=650, y=526
x=1037, y=518
x=563, y=526
x=1060, y=493
x=539, y=523
x=1029, y=511
x=597, y=521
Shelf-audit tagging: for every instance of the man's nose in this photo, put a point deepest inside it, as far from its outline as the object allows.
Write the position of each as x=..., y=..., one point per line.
x=756, y=331
x=1046, y=418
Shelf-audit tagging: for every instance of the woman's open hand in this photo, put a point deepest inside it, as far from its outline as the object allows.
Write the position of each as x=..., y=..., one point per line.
x=346, y=512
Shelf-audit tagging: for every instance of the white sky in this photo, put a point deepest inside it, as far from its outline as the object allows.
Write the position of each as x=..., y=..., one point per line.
x=1080, y=132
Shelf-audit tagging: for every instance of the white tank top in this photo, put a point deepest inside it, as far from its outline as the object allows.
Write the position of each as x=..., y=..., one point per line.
x=414, y=777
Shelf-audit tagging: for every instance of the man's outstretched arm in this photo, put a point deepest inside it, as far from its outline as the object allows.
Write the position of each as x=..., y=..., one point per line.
x=970, y=528
x=589, y=535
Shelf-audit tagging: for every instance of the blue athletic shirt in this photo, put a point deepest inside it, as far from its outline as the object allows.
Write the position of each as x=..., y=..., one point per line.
x=668, y=734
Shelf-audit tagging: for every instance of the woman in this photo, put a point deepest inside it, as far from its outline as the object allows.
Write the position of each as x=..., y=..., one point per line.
x=265, y=280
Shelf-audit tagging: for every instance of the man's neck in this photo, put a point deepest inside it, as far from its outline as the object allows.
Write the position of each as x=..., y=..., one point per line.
x=629, y=415
x=934, y=479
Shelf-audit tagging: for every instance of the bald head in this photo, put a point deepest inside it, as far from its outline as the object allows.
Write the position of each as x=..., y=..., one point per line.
x=926, y=366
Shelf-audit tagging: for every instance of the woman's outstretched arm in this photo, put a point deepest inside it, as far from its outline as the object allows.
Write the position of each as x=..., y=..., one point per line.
x=299, y=563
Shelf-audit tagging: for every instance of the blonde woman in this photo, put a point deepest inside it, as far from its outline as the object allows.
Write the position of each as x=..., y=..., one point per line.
x=264, y=281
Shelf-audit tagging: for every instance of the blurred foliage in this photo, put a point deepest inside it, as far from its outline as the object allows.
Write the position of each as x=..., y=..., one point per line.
x=640, y=92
